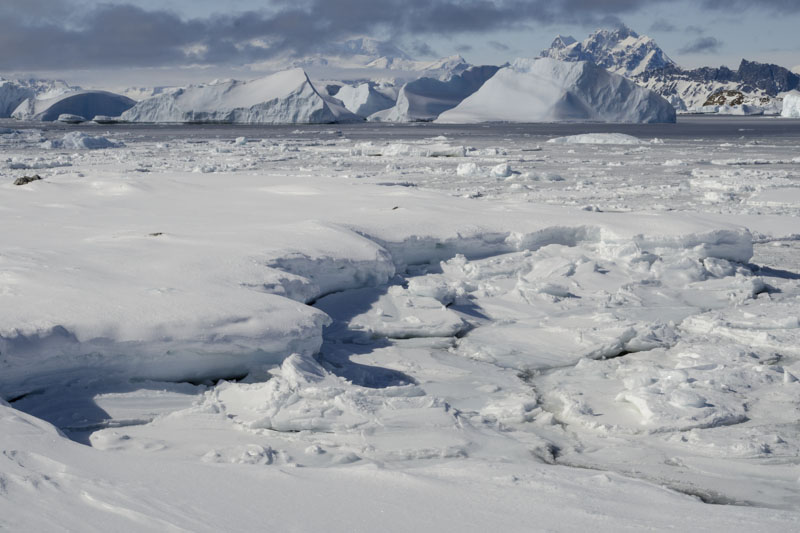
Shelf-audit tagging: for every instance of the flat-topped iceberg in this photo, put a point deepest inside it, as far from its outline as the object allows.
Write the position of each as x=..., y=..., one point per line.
x=548, y=90
x=286, y=97
x=77, y=103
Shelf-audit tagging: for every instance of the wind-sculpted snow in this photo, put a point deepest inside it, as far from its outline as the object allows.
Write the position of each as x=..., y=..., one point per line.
x=86, y=104
x=287, y=97
x=548, y=90
x=231, y=320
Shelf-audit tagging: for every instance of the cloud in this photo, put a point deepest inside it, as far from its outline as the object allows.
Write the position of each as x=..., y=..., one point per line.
x=703, y=45
x=662, y=25
x=498, y=46
x=421, y=48
x=463, y=48
x=65, y=34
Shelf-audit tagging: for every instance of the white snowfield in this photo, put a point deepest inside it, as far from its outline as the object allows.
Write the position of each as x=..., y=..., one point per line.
x=86, y=104
x=548, y=90
x=287, y=97
x=791, y=105
x=393, y=327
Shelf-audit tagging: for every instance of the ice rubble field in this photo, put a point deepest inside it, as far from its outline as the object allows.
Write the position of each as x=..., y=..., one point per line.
x=362, y=328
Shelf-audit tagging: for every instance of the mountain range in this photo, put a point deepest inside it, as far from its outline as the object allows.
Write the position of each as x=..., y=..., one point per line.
x=377, y=80
x=639, y=58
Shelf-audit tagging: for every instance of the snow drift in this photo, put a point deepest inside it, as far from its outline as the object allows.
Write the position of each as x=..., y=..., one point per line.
x=286, y=97
x=548, y=90
x=85, y=104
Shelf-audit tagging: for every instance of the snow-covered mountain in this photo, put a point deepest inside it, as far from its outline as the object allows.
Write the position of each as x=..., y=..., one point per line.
x=621, y=50
x=286, y=97
x=756, y=86
x=358, y=53
x=752, y=84
x=549, y=90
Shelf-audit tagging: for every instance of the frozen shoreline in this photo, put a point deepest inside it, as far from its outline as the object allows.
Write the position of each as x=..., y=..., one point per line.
x=395, y=319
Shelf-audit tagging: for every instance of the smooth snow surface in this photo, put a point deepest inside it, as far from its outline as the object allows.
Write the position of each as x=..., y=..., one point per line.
x=548, y=90
x=400, y=327
x=286, y=97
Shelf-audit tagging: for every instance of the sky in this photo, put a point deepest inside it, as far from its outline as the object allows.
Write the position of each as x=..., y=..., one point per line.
x=149, y=42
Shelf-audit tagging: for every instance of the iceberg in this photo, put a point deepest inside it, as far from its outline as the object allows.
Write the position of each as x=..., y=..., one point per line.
x=15, y=92
x=286, y=97
x=363, y=99
x=78, y=103
x=549, y=90
x=791, y=105
x=425, y=99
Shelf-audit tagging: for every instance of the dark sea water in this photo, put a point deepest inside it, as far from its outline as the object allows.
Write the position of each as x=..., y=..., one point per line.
x=701, y=128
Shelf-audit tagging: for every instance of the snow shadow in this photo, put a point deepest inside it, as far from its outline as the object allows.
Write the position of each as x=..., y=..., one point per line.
x=341, y=343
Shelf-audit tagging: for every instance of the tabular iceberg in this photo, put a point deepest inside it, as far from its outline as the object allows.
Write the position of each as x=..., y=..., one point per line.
x=286, y=97
x=548, y=90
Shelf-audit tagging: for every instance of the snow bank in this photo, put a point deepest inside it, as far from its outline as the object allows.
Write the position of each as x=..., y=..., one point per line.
x=80, y=103
x=548, y=90
x=209, y=291
x=77, y=140
x=286, y=97
x=791, y=105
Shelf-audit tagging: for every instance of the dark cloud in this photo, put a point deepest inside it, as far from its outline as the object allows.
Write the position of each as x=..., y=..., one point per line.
x=463, y=48
x=703, y=45
x=662, y=25
x=729, y=6
x=423, y=49
x=498, y=46
x=55, y=34
x=697, y=30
